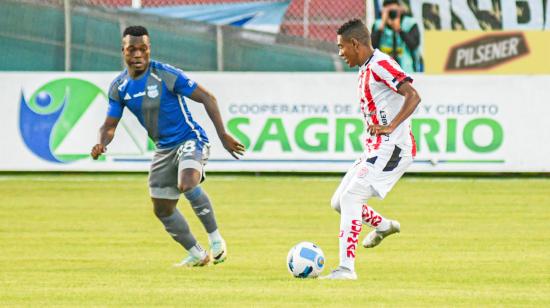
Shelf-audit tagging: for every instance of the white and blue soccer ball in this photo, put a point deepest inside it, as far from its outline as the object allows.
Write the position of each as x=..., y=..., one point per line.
x=305, y=260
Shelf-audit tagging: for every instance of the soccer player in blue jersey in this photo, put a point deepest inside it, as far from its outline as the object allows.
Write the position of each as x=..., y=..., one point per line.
x=154, y=92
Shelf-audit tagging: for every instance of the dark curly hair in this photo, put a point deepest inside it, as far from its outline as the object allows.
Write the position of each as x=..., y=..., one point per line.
x=135, y=31
x=356, y=29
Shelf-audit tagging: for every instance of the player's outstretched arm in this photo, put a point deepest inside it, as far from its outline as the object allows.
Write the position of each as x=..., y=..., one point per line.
x=106, y=135
x=201, y=95
x=412, y=99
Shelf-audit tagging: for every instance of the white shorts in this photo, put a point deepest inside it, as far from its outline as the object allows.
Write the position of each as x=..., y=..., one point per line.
x=374, y=173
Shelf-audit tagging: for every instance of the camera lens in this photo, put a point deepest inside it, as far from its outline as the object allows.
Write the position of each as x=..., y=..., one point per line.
x=392, y=14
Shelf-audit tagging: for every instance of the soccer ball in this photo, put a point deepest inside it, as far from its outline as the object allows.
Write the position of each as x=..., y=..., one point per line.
x=305, y=260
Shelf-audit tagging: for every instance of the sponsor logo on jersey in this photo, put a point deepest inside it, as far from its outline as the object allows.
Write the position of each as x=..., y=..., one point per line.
x=139, y=94
x=487, y=51
x=383, y=117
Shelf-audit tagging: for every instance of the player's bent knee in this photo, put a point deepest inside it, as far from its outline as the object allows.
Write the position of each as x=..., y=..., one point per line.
x=164, y=207
x=189, y=178
x=356, y=196
x=163, y=211
x=184, y=187
x=350, y=199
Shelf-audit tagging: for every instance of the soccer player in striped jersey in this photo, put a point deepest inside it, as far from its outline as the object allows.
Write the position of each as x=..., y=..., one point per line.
x=154, y=92
x=387, y=100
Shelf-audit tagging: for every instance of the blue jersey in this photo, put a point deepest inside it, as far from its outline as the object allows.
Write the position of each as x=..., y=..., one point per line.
x=156, y=98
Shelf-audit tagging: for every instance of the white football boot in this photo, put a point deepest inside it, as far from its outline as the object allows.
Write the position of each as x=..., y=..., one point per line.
x=192, y=261
x=341, y=273
x=374, y=238
x=218, y=249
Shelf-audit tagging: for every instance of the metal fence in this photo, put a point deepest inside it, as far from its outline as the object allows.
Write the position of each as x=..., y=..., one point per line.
x=74, y=35
x=310, y=19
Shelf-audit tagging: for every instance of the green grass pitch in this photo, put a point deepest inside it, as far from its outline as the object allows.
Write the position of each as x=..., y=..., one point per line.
x=92, y=240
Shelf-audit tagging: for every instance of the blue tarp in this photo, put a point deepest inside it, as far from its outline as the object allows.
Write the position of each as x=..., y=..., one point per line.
x=263, y=16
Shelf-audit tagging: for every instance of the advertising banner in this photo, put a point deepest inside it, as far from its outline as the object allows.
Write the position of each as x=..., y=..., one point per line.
x=478, y=15
x=288, y=121
x=489, y=52
x=482, y=36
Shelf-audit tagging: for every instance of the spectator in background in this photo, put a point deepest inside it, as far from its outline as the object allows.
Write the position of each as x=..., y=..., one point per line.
x=398, y=36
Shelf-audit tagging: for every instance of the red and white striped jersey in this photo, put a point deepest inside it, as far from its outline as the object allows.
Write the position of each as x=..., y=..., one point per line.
x=378, y=80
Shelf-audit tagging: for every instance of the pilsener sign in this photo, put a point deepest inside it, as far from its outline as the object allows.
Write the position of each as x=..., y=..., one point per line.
x=487, y=51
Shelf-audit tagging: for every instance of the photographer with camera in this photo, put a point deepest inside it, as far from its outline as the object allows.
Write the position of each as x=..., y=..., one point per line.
x=398, y=36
